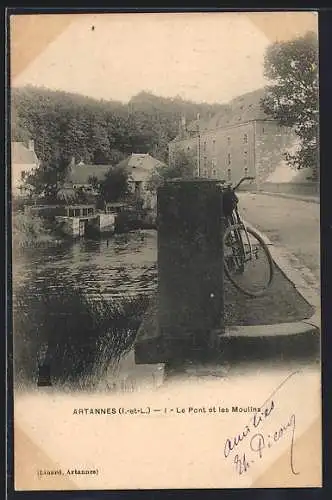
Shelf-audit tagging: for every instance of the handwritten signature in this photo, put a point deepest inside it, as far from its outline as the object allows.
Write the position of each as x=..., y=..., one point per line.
x=258, y=441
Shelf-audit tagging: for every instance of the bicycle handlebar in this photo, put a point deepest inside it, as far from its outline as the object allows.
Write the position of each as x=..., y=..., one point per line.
x=247, y=178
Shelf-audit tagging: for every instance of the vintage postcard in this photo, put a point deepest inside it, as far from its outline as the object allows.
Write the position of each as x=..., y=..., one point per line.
x=165, y=250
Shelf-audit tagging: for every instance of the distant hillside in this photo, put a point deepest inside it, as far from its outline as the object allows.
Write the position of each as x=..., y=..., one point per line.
x=64, y=125
x=176, y=106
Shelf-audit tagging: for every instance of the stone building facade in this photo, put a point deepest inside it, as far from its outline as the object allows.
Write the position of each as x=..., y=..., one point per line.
x=240, y=140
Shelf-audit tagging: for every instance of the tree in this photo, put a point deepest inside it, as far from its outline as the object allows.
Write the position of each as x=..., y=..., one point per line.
x=292, y=99
x=182, y=166
x=64, y=125
x=115, y=185
x=46, y=180
x=93, y=180
x=18, y=132
x=100, y=143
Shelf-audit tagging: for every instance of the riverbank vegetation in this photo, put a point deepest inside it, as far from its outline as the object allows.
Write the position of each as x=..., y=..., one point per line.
x=78, y=338
x=32, y=231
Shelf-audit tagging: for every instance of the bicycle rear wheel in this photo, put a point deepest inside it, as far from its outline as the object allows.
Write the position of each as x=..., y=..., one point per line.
x=247, y=260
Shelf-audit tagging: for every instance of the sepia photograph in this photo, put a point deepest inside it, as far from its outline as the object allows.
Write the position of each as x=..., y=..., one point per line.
x=165, y=275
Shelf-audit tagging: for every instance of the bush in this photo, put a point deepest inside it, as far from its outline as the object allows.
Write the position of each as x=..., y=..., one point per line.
x=80, y=337
x=127, y=220
x=28, y=227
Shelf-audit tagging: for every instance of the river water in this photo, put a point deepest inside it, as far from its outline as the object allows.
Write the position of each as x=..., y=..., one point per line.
x=125, y=264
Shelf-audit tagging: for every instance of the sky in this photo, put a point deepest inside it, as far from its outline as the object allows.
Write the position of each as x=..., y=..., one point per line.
x=204, y=57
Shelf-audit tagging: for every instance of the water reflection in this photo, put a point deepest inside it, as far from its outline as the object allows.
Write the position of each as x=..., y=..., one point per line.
x=122, y=265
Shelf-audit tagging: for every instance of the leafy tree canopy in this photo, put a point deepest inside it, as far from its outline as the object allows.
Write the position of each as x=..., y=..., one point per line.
x=292, y=97
x=183, y=166
x=115, y=186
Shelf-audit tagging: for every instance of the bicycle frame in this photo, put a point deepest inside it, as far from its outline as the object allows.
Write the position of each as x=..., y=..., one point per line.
x=235, y=219
x=241, y=249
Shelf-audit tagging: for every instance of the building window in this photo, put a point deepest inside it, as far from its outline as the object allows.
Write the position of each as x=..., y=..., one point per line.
x=77, y=212
x=205, y=172
x=229, y=174
x=70, y=212
x=23, y=174
x=204, y=146
x=263, y=130
x=245, y=157
x=213, y=145
x=85, y=211
x=228, y=141
x=245, y=171
x=188, y=148
x=214, y=167
x=90, y=211
x=245, y=139
x=229, y=160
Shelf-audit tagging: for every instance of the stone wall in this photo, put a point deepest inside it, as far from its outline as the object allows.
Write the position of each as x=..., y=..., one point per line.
x=69, y=225
x=254, y=148
x=106, y=223
x=271, y=142
x=297, y=188
x=234, y=152
x=225, y=153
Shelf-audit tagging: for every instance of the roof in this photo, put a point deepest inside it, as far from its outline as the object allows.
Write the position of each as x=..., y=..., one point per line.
x=201, y=123
x=80, y=174
x=22, y=155
x=116, y=204
x=140, y=165
x=242, y=109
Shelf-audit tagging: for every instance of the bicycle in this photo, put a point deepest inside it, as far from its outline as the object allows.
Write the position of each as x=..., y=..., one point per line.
x=247, y=260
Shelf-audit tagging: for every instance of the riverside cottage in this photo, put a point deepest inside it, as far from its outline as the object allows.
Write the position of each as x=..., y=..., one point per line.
x=139, y=168
x=80, y=219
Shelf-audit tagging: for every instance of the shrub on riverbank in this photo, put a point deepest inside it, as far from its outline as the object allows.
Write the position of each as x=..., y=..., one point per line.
x=30, y=230
x=79, y=337
x=129, y=220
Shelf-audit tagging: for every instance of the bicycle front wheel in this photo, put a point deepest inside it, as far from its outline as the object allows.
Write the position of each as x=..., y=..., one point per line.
x=247, y=260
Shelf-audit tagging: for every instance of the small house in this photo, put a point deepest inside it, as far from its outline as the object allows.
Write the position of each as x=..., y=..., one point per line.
x=23, y=162
x=85, y=176
x=139, y=168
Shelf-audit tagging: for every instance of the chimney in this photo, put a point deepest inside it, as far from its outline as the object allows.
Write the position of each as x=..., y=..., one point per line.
x=182, y=126
x=31, y=145
x=198, y=117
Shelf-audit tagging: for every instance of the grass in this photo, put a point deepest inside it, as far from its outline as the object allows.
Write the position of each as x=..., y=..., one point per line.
x=77, y=337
